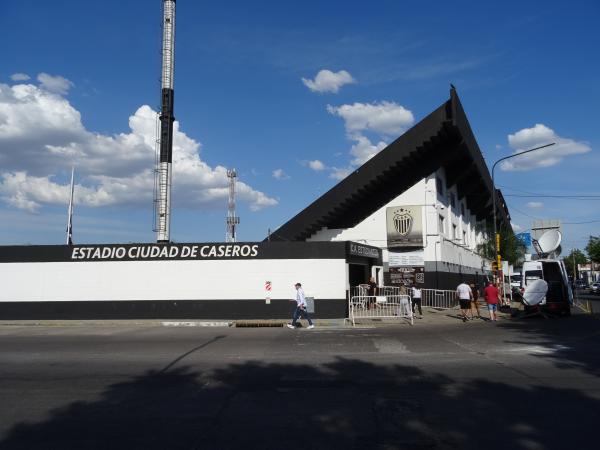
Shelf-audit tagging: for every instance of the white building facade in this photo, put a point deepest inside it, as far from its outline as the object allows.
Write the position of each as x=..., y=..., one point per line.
x=450, y=238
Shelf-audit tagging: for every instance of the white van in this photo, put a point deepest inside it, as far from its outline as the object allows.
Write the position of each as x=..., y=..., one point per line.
x=559, y=297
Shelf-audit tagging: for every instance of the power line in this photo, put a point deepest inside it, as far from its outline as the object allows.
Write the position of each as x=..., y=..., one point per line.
x=570, y=197
x=563, y=223
x=581, y=223
x=512, y=208
x=538, y=194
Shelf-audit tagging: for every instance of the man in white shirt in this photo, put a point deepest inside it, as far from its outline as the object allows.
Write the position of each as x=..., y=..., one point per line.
x=300, y=308
x=416, y=300
x=464, y=296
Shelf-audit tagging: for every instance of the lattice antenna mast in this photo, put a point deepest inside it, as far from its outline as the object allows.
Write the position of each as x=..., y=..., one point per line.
x=162, y=182
x=232, y=219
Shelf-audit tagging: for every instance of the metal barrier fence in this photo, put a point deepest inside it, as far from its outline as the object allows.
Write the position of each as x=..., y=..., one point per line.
x=435, y=298
x=388, y=304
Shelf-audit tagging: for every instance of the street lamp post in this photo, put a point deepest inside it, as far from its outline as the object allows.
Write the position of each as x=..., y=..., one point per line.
x=496, y=234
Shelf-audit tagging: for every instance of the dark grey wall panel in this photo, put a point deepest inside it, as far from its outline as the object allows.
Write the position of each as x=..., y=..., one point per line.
x=181, y=309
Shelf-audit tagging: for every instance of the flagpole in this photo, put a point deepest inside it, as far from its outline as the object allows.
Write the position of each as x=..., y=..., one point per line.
x=70, y=212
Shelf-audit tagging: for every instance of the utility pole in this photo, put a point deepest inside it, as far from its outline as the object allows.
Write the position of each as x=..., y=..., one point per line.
x=496, y=234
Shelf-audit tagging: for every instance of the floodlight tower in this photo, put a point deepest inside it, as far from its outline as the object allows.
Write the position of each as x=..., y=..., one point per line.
x=232, y=220
x=162, y=200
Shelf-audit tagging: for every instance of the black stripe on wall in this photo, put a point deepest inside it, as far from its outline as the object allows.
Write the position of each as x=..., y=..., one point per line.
x=187, y=251
x=166, y=309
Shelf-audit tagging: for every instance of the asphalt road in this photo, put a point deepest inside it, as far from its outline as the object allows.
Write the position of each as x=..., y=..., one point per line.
x=515, y=384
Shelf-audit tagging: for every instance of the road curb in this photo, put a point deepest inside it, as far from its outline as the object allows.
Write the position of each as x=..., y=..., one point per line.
x=256, y=323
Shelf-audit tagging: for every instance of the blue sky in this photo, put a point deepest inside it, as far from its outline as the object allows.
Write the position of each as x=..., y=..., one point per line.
x=80, y=82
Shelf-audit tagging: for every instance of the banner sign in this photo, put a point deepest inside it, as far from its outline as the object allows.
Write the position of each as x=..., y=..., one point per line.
x=410, y=258
x=525, y=238
x=186, y=251
x=366, y=251
x=163, y=251
x=407, y=276
x=404, y=226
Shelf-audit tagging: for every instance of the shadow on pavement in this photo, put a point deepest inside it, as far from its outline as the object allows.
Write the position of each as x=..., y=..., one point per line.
x=568, y=342
x=346, y=404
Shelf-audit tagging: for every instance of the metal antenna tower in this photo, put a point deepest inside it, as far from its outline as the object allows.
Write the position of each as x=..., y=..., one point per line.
x=232, y=220
x=162, y=176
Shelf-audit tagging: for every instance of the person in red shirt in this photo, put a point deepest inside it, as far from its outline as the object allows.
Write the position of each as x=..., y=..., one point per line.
x=492, y=296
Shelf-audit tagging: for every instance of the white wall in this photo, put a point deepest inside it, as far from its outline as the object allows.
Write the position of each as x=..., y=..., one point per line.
x=172, y=280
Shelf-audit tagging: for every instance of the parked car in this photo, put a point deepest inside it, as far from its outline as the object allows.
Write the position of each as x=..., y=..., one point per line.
x=515, y=279
x=595, y=288
x=580, y=284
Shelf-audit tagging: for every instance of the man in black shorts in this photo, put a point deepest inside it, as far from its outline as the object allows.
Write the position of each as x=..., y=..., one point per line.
x=464, y=296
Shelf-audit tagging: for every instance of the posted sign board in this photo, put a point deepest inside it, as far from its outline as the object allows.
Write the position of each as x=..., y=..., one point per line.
x=404, y=226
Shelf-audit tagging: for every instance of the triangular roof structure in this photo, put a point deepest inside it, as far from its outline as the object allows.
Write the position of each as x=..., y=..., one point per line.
x=442, y=139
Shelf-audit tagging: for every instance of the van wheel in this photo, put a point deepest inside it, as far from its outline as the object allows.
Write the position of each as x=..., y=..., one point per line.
x=567, y=312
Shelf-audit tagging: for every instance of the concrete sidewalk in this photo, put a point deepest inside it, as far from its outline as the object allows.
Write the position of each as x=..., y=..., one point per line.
x=431, y=317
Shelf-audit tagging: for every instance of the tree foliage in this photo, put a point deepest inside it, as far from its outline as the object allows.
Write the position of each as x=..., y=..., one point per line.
x=579, y=258
x=593, y=249
x=511, y=249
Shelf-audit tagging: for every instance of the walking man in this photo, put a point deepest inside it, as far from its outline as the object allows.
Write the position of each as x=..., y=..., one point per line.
x=464, y=296
x=492, y=296
x=300, y=308
x=475, y=301
x=416, y=300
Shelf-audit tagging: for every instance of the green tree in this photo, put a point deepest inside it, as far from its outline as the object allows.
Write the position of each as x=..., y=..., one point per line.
x=593, y=249
x=579, y=258
x=511, y=249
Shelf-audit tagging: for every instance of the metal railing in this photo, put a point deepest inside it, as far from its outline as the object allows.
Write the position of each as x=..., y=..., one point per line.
x=436, y=298
x=388, y=303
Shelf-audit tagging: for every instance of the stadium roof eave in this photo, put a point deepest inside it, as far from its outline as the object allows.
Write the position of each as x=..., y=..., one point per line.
x=442, y=139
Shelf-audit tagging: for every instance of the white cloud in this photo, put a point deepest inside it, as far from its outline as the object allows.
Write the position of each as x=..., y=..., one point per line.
x=363, y=150
x=20, y=77
x=339, y=173
x=384, y=117
x=54, y=83
x=316, y=165
x=539, y=135
x=41, y=137
x=279, y=174
x=535, y=205
x=328, y=81
x=516, y=227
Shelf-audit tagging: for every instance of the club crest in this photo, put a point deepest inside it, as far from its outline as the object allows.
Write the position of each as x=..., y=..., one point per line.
x=402, y=221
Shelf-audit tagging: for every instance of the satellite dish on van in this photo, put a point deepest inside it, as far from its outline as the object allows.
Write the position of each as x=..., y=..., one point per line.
x=535, y=292
x=548, y=243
